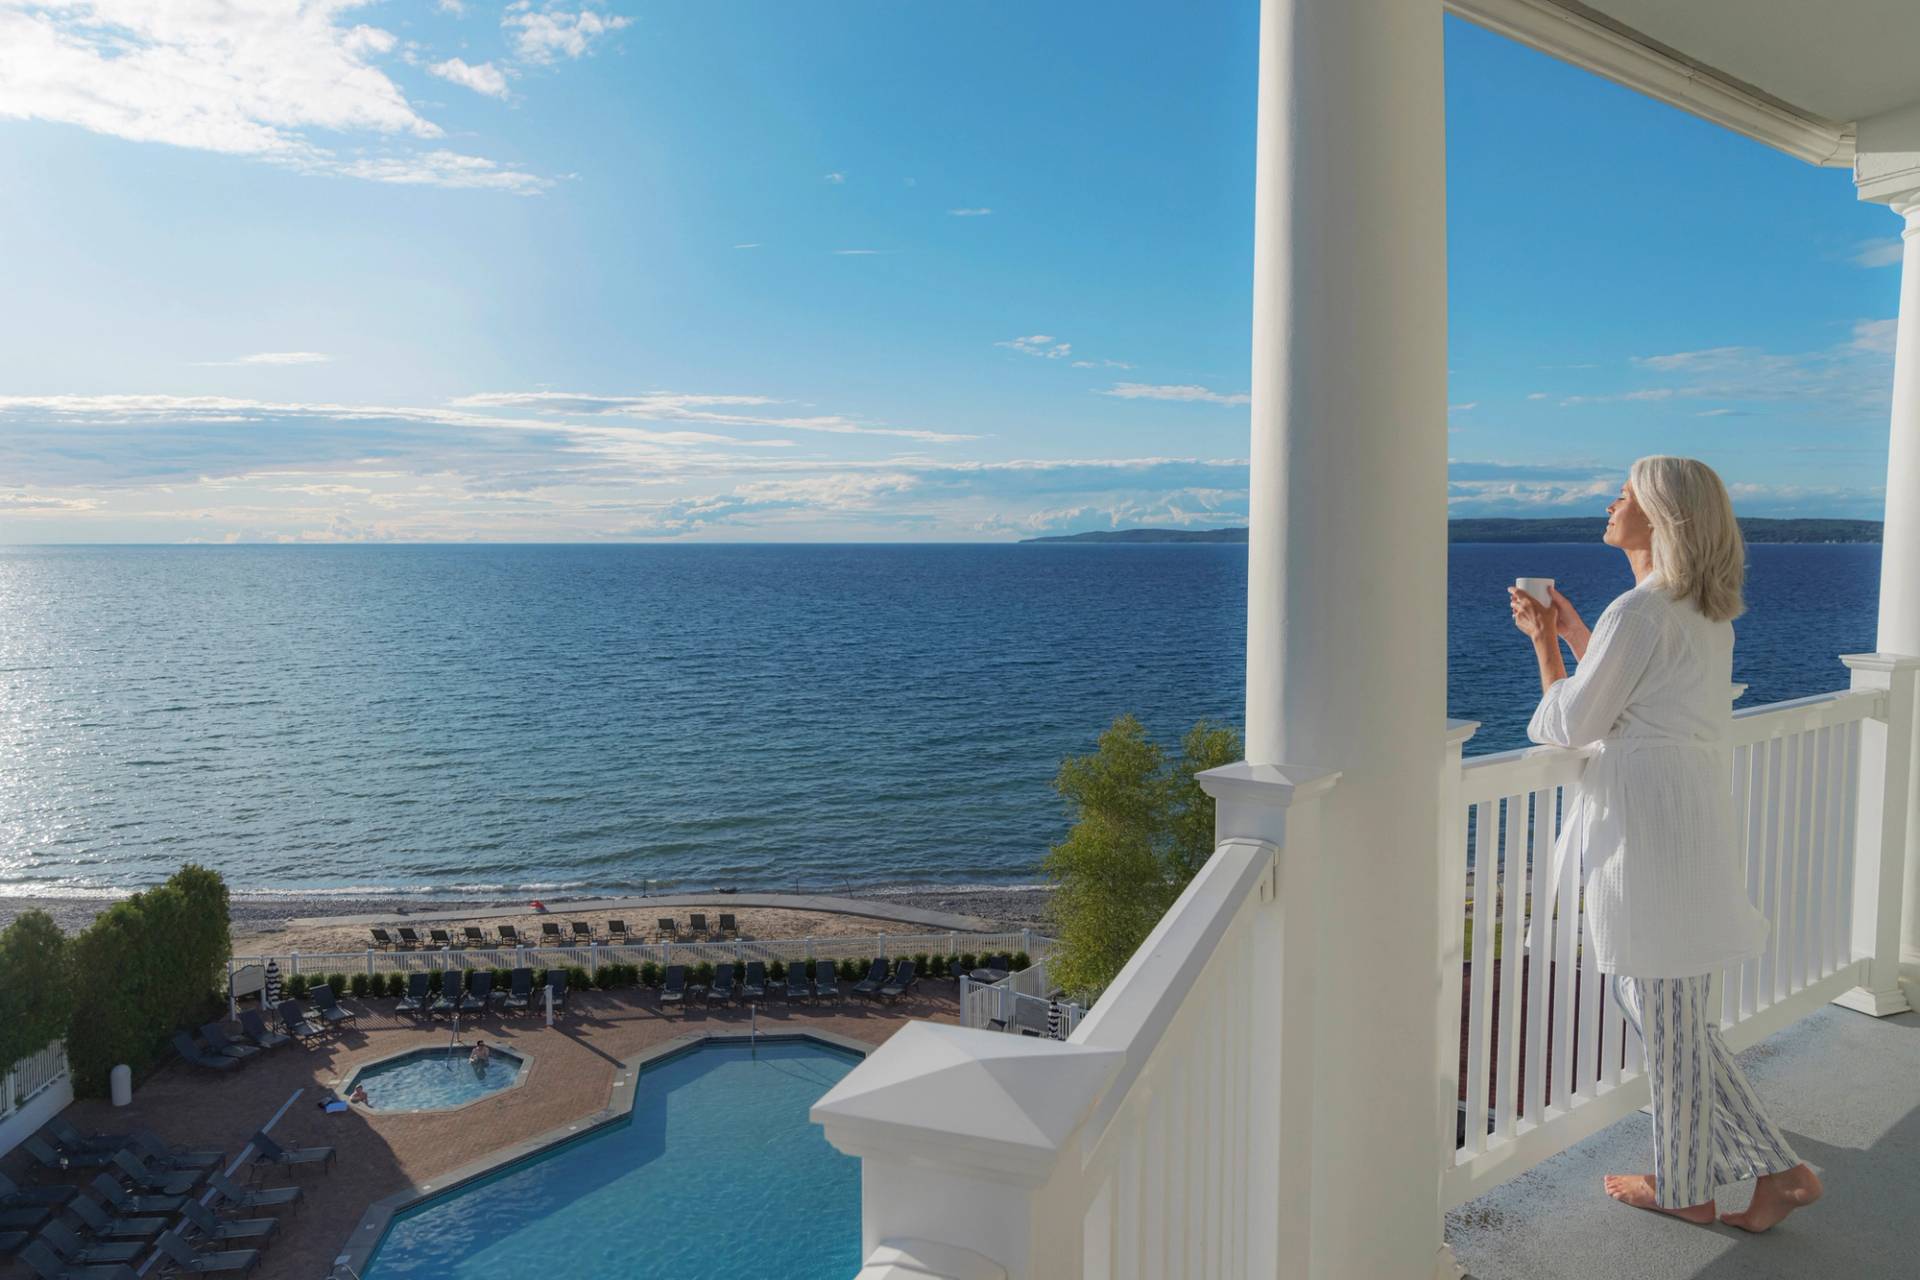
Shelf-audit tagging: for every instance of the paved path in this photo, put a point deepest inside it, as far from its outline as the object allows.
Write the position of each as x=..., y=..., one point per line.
x=871, y=909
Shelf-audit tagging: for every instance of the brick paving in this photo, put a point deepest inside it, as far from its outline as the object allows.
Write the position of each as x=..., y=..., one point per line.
x=570, y=1075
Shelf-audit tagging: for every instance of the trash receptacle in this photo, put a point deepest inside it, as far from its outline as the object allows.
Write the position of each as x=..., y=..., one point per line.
x=120, y=1081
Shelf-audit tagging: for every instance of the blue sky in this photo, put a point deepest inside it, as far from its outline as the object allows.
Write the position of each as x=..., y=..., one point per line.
x=571, y=271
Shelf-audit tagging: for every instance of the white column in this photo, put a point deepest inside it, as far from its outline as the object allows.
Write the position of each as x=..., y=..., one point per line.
x=1346, y=641
x=1900, y=544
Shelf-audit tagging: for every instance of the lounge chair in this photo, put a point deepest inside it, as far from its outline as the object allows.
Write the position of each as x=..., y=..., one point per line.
x=181, y=1255
x=440, y=938
x=165, y=1182
x=65, y=1135
x=521, y=993
x=450, y=992
x=728, y=928
x=557, y=983
x=60, y=1159
x=826, y=982
x=190, y=1052
x=876, y=978
x=259, y=1032
x=43, y=1262
x=617, y=931
x=233, y=1194
x=582, y=933
x=479, y=990
x=328, y=1006
x=696, y=924
x=25, y=1219
x=799, y=986
x=125, y=1203
x=899, y=984
x=215, y=1034
x=673, y=988
x=509, y=936
x=668, y=926
x=209, y=1227
x=382, y=940
x=475, y=938
x=721, y=988
x=167, y=1156
x=755, y=984
x=294, y=1019
x=419, y=994
x=409, y=938
x=15, y=1196
x=550, y=932
x=63, y=1241
x=270, y=1153
x=102, y=1225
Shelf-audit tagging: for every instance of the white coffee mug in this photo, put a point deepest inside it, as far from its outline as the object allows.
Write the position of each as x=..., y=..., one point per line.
x=1540, y=589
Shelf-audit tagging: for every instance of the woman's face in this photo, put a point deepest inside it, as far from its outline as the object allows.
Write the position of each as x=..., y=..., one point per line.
x=1627, y=525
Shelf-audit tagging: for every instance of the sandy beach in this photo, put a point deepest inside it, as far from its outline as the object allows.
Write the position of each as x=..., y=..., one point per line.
x=261, y=922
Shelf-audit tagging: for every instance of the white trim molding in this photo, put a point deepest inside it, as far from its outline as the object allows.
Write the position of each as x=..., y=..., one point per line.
x=1568, y=32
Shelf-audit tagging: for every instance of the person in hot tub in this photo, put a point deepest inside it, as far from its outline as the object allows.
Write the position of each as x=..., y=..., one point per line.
x=479, y=1056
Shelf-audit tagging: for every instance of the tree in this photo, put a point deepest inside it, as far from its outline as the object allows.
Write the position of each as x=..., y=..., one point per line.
x=36, y=990
x=1143, y=828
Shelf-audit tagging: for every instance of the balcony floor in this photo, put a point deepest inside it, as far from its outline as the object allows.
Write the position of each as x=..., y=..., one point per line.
x=1845, y=1087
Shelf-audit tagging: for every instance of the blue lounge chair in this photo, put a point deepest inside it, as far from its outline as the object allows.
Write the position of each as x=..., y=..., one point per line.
x=557, y=983
x=826, y=982
x=207, y=1227
x=215, y=1034
x=799, y=986
x=721, y=988
x=876, y=978
x=233, y=1195
x=479, y=988
x=62, y=1159
x=256, y=1029
x=43, y=1262
x=190, y=1052
x=165, y=1182
x=328, y=1006
x=899, y=984
x=15, y=1196
x=73, y=1251
x=755, y=984
x=182, y=1257
x=521, y=993
x=452, y=989
x=127, y=1204
x=106, y=1226
x=271, y=1154
x=294, y=1019
x=673, y=990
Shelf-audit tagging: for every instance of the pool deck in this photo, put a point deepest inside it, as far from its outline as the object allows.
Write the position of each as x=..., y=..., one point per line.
x=571, y=1077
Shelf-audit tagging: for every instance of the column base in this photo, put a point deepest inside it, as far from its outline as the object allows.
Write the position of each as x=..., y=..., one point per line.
x=1446, y=1266
x=1878, y=1004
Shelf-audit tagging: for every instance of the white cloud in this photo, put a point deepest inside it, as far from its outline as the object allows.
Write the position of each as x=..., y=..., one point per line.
x=272, y=357
x=1145, y=391
x=717, y=410
x=754, y=245
x=1039, y=344
x=483, y=78
x=1849, y=377
x=1462, y=408
x=1875, y=336
x=544, y=35
x=1101, y=364
x=835, y=178
x=454, y=7
x=255, y=78
x=1537, y=395
x=969, y=213
x=1877, y=253
x=861, y=253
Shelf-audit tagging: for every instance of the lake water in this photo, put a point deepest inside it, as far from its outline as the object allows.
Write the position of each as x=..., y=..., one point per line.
x=462, y=720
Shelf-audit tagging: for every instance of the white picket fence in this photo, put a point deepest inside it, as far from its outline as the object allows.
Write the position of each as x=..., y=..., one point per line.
x=863, y=947
x=31, y=1076
x=1020, y=1003
x=1542, y=1075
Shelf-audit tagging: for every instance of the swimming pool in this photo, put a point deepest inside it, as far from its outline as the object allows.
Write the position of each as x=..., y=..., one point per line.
x=716, y=1172
x=434, y=1079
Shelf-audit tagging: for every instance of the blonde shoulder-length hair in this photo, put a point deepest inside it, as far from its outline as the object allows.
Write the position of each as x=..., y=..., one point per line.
x=1698, y=552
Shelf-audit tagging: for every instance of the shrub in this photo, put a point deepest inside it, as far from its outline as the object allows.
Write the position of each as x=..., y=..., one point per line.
x=954, y=967
x=503, y=979
x=853, y=969
x=777, y=972
x=605, y=975
x=578, y=979
x=1021, y=961
x=650, y=974
x=631, y=974
x=434, y=981
x=969, y=961
x=155, y=960
x=338, y=982
x=361, y=984
x=297, y=986
x=936, y=967
x=920, y=963
x=396, y=984
x=36, y=999
x=703, y=974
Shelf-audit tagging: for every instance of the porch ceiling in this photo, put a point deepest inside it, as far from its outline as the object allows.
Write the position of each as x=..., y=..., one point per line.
x=1795, y=75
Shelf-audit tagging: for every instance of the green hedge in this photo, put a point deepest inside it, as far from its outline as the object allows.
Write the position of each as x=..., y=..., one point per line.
x=153, y=964
x=36, y=991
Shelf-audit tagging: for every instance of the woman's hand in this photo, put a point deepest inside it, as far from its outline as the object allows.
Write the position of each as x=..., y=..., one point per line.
x=1567, y=622
x=1538, y=622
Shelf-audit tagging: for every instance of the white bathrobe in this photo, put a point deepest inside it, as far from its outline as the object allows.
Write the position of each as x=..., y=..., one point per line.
x=1651, y=822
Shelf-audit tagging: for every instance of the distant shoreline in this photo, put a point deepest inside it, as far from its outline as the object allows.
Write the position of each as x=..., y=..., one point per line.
x=1763, y=530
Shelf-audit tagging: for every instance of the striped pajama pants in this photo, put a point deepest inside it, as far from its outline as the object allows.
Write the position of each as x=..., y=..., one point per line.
x=1708, y=1127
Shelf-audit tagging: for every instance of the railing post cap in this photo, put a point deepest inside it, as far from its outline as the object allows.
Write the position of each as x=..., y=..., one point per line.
x=928, y=1260
x=1277, y=785
x=1880, y=662
x=1458, y=731
x=976, y=1101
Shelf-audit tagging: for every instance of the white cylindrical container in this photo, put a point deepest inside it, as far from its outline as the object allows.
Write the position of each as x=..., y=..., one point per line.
x=1540, y=589
x=120, y=1083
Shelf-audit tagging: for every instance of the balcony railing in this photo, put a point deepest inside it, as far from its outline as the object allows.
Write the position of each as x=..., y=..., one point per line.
x=1173, y=1133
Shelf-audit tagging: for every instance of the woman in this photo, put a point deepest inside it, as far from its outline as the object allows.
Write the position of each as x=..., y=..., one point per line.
x=1651, y=824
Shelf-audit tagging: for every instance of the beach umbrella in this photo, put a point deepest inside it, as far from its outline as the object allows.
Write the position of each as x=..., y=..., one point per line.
x=1053, y=1018
x=272, y=993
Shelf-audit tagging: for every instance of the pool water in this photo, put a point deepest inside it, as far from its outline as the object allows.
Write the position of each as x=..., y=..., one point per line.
x=717, y=1173
x=434, y=1079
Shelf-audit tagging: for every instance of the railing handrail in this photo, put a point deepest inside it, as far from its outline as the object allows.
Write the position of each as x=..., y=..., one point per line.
x=1133, y=1013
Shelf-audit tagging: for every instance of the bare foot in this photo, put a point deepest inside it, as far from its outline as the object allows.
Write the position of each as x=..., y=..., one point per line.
x=1636, y=1189
x=1775, y=1196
